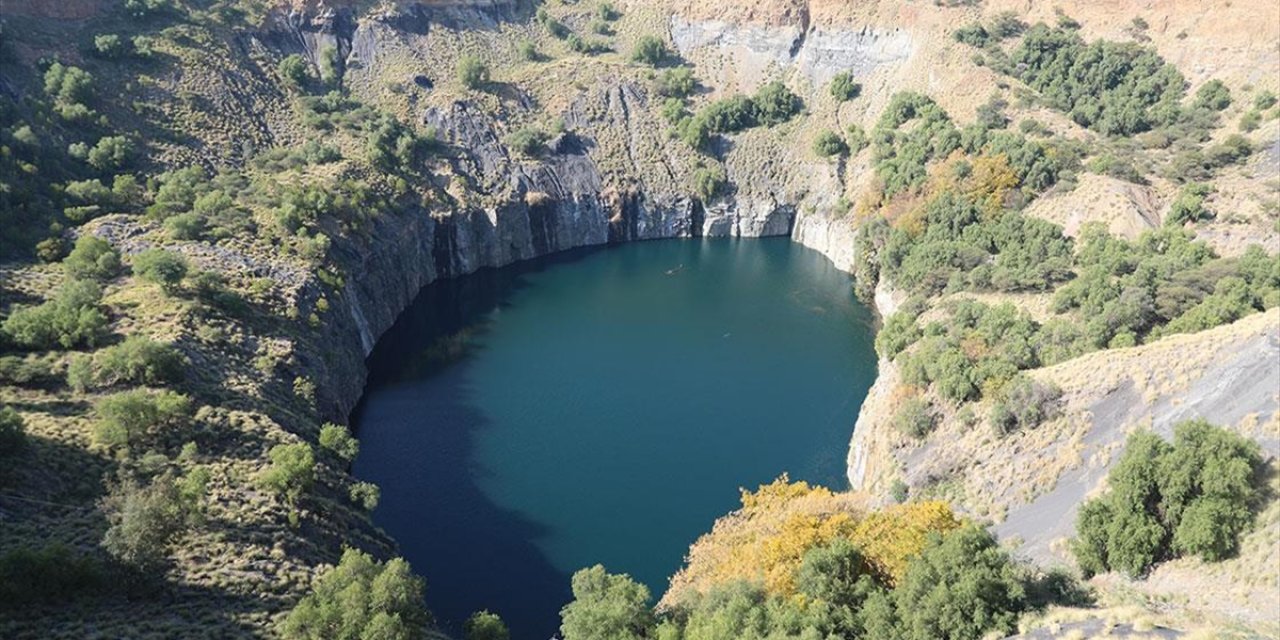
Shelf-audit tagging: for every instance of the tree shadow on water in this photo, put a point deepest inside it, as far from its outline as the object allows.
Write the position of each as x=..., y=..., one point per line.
x=418, y=424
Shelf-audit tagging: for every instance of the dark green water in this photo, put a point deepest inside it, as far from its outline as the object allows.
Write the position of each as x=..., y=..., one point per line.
x=603, y=407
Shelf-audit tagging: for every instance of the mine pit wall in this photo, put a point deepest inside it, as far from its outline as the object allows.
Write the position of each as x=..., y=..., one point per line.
x=594, y=187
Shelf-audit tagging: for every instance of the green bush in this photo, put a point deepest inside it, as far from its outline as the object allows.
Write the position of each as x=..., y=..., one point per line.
x=134, y=417
x=914, y=418
x=365, y=494
x=899, y=332
x=13, y=432
x=292, y=471
x=338, y=439
x=146, y=520
x=71, y=88
x=138, y=360
x=72, y=318
x=974, y=35
x=1024, y=403
x=528, y=50
x=528, y=141
x=93, y=258
x=606, y=607
x=47, y=575
x=829, y=144
x=1213, y=95
x=844, y=88
x=709, y=183
x=483, y=625
x=161, y=267
x=1188, y=206
x=775, y=104
x=677, y=82
x=110, y=46
x=295, y=70
x=650, y=50
x=473, y=72
x=1117, y=89
x=360, y=599
x=1194, y=497
x=962, y=586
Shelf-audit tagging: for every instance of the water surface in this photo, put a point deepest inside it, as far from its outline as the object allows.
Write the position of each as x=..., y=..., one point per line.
x=603, y=406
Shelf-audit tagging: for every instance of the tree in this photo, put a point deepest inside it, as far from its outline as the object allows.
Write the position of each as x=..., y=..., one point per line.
x=709, y=183
x=1194, y=497
x=829, y=144
x=775, y=104
x=137, y=360
x=961, y=587
x=1213, y=95
x=295, y=69
x=92, y=257
x=338, y=439
x=528, y=141
x=132, y=417
x=145, y=520
x=161, y=267
x=483, y=625
x=361, y=599
x=292, y=472
x=71, y=318
x=915, y=418
x=606, y=607
x=110, y=46
x=13, y=432
x=473, y=73
x=676, y=82
x=649, y=50
x=1188, y=206
x=844, y=88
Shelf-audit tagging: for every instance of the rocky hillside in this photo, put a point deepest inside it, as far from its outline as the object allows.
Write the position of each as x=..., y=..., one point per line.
x=340, y=155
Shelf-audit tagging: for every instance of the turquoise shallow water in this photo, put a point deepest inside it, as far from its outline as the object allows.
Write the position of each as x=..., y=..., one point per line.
x=603, y=406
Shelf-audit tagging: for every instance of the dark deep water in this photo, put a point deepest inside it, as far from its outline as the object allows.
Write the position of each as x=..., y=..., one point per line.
x=603, y=406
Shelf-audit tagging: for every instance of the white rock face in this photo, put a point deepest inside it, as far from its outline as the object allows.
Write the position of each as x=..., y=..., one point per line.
x=756, y=53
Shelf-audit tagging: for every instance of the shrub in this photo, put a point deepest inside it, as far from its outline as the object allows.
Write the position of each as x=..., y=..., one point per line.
x=295, y=70
x=915, y=418
x=856, y=138
x=775, y=104
x=709, y=183
x=161, y=267
x=1264, y=100
x=606, y=607
x=365, y=494
x=292, y=471
x=1194, y=497
x=844, y=88
x=963, y=583
x=131, y=417
x=49, y=574
x=110, y=153
x=974, y=35
x=137, y=360
x=68, y=86
x=110, y=46
x=473, y=72
x=338, y=439
x=1188, y=206
x=1140, y=91
x=71, y=318
x=359, y=599
x=528, y=50
x=145, y=521
x=829, y=144
x=650, y=50
x=92, y=257
x=13, y=432
x=1213, y=95
x=1024, y=403
x=677, y=82
x=899, y=332
x=483, y=625
x=528, y=141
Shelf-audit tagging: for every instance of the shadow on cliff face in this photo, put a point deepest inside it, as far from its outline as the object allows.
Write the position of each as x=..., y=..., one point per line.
x=473, y=553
